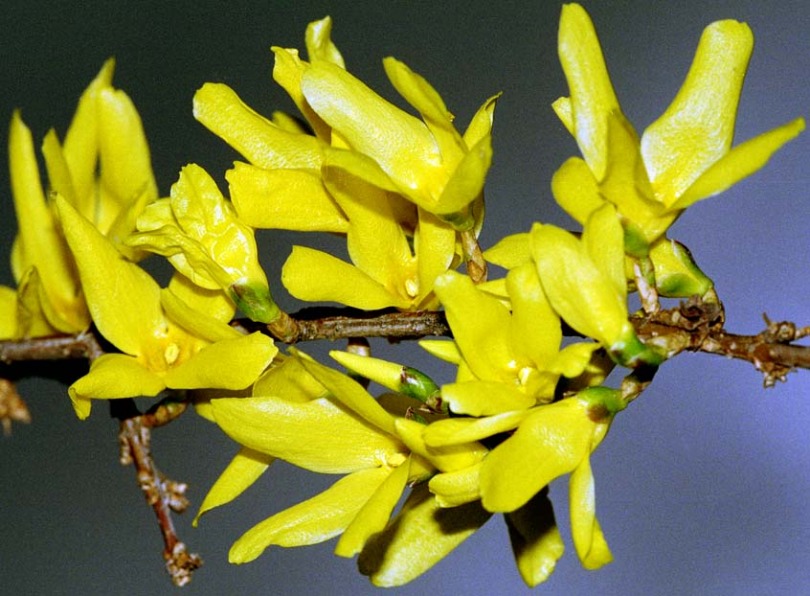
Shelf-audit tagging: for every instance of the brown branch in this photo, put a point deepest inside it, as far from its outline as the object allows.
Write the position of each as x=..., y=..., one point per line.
x=163, y=494
x=59, y=347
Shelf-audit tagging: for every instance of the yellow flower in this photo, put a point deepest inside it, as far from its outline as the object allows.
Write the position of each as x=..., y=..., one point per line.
x=202, y=237
x=177, y=338
x=683, y=157
x=584, y=279
x=393, y=264
x=510, y=360
x=553, y=440
x=103, y=169
x=427, y=161
x=344, y=432
x=281, y=187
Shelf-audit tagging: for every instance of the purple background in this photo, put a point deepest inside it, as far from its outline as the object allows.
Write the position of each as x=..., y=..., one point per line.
x=701, y=485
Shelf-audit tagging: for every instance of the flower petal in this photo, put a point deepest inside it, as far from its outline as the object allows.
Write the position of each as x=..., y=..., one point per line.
x=550, y=442
x=288, y=199
x=586, y=533
x=485, y=398
x=420, y=536
x=113, y=376
x=698, y=127
x=123, y=299
x=317, y=435
x=448, y=458
x=263, y=143
x=742, y=161
x=227, y=364
x=454, y=431
x=536, y=540
x=575, y=189
x=244, y=469
x=592, y=95
x=375, y=513
x=316, y=276
x=312, y=521
x=351, y=394
x=576, y=288
x=401, y=144
x=457, y=487
x=479, y=323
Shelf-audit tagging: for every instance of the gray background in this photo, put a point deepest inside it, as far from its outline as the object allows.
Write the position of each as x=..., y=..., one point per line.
x=701, y=486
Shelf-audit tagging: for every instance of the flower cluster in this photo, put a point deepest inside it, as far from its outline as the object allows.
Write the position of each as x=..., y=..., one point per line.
x=523, y=407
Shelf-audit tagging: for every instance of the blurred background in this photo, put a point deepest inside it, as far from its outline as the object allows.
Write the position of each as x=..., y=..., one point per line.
x=701, y=485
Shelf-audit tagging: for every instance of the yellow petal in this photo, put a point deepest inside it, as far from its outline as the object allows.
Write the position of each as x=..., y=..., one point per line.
x=575, y=189
x=351, y=394
x=447, y=458
x=244, y=469
x=60, y=178
x=535, y=328
x=316, y=276
x=401, y=144
x=126, y=168
x=427, y=101
x=510, y=251
x=376, y=241
x=114, y=376
x=375, y=513
x=287, y=71
x=456, y=488
x=479, y=323
x=485, y=398
x=81, y=145
x=194, y=321
x=420, y=536
x=603, y=240
x=481, y=123
x=227, y=364
x=455, y=431
x=289, y=380
x=284, y=199
x=318, y=38
x=8, y=313
x=263, y=143
x=550, y=442
x=123, y=299
x=39, y=243
x=698, y=127
x=312, y=521
x=442, y=349
x=592, y=95
x=213, y=302
x=317, y=435
x=576, y=288
x=536, y=540
x=33, y=312
x=742, y=161
x=466, y=182
x=434, y=243
x=586, y=533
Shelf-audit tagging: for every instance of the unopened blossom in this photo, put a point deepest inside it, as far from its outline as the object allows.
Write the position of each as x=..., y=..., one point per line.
x=200, y=234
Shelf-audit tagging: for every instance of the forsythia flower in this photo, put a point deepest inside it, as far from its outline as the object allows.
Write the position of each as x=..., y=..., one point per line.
x=189, y=349
x=344, y=432
x=550, y=441
x=584, y=279
x=202, y=237
x=426, y=161
x=103, y=169
x=683, y=157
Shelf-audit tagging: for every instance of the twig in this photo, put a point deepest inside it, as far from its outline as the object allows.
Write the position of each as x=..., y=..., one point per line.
x=163, y=494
